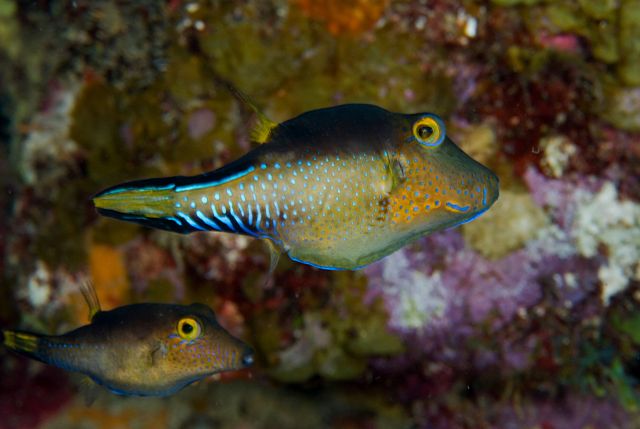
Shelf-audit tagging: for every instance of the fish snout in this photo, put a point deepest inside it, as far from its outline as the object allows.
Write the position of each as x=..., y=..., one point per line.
x=247, y=357
x=491, y=191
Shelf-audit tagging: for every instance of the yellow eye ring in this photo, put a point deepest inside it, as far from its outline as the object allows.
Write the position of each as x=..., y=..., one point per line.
x=189, y=328
x=429, y=130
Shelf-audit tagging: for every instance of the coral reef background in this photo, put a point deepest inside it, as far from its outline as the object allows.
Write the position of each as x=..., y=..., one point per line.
x=526, y=318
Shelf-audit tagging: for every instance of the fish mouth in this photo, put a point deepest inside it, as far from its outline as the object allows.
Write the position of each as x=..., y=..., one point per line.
x=248, y=357
x=484, y=196
x=491, y=191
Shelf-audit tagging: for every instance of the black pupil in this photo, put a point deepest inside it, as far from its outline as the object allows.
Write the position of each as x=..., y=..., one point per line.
x=187, y=328
x=425, y=132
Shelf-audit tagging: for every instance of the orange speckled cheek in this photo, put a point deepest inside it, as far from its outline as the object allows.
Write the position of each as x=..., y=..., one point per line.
x=419, y=195
x=429, y=187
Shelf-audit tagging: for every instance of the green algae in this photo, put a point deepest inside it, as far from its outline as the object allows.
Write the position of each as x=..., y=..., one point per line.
x=517, y=216
x=95, y=127
x=629, y=40
x=8, y=28
x=314, y=69
x=515, y=2
x=159, y=290
x=599, y=9
x=601, y=32
x=334, y=339
x=336, y=364
x=629, y=326
x=621, y=107
x=566, y=16
x=373, y=338
x=237, y=47
x=63, y=244
x=612, y=28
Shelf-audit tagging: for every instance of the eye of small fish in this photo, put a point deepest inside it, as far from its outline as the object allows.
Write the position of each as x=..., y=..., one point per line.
x=189, y=328
x=429, y=130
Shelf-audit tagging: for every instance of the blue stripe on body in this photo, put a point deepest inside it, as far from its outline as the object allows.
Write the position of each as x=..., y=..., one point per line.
x=190, y=221
x=239, y=220
x=258, y=217
x=142, y=189
x=325, y=267
x=208, y=221
x=457, y=207
x=475, y=216
x=222, y=219
x=175, y=220
x=212, y=183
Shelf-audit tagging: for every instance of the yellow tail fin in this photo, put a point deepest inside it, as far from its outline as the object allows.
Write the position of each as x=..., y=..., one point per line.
x=149, y=202
x=20, y=341
x=137, y=199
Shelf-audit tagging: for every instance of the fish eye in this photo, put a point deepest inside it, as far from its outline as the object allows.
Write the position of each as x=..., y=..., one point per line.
x=189, y=328
x=425, y=132
x=429, y=130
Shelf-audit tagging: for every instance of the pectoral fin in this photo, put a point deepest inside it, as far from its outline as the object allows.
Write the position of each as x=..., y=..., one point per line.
x=398, y=175
x=157, y=354
x=395, y=173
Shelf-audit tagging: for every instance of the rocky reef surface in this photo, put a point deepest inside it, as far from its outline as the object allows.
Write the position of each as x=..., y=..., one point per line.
x=527, y=317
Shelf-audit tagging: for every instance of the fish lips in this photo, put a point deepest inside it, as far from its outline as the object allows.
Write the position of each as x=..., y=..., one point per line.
x=248, y=357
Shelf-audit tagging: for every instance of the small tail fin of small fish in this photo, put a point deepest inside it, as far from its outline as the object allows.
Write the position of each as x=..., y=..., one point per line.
x=149, y=202
x=21, y=342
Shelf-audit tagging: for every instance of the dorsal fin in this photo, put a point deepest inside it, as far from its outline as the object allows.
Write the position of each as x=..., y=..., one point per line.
x=90, y=296
x=261, y=132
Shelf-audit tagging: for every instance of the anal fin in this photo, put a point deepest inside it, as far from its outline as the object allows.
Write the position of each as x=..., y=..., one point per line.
x=274, y=258
x=89, y=390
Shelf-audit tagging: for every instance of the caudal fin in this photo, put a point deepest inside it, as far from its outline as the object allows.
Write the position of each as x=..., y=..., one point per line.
x=148, y=202
x=21, y=342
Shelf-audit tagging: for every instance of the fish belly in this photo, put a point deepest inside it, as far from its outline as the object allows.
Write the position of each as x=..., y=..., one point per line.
x=339, y=221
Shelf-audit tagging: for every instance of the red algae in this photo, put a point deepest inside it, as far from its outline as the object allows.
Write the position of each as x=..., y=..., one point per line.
x=30, y=393
x=555, y=99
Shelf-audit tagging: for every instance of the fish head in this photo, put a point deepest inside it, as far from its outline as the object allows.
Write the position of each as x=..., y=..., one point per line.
x=194, y=345
x=438, y=185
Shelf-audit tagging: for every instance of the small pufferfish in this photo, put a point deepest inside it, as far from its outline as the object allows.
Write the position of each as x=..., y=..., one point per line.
x=139, y=349
x=335, y=188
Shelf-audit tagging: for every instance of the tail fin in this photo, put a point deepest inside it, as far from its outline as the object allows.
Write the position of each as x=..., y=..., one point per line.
x=21, y=342
x=148, y=202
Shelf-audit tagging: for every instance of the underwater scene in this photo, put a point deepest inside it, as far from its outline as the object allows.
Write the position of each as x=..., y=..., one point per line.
x=350, y=214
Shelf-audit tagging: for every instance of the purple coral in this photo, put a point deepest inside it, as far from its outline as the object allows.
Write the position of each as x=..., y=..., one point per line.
x=440, y=292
